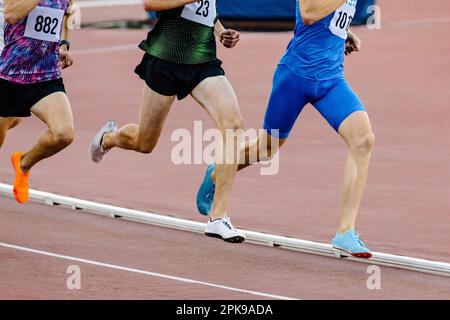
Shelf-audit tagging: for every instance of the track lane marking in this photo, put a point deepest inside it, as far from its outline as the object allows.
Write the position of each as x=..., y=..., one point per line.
x=389, y=25
x=147, y=273
x=108, y=3
x=250, y=35
x=419, y=22
x=87, y=51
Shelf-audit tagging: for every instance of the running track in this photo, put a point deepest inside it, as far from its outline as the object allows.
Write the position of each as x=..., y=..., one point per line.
x=401, y=74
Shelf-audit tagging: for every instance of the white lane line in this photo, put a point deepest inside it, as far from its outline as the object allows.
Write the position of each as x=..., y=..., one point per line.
x=271, y=240
x=147, y=273
x=108, y=3
x=419, y=22
x=126, y=47
x=257, y=35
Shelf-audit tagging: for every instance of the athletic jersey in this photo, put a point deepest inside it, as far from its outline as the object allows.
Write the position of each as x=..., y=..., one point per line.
x=2, y=22
x=31, y=52
x=317, y=51
x=186, y=34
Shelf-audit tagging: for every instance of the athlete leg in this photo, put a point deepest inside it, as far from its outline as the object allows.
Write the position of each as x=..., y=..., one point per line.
x=287, y=100
x=346, y=114
x=261, y=149
x=289, y=96
x=217, y=97
x=5, y=125
x=55, y=111
x=142, y=137
x=356, y=131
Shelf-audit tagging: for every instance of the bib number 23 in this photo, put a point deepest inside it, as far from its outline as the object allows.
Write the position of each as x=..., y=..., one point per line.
x=202, y=11
x=342, y=20
x=44, y=24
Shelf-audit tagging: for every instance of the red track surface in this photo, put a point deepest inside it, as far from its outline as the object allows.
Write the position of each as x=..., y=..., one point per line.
x=175, y=253
x=402, y=76
x=113, y=13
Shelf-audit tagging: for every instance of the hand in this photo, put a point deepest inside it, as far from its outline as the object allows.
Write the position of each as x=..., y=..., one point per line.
x=66, y=59
x=352, y=44
x=229, y=38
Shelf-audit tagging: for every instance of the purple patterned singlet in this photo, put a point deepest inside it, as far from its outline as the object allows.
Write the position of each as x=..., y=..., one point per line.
x=27, y=60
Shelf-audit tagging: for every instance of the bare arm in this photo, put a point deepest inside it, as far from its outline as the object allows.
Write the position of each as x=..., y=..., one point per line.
x=159, y=5
x=65, y=35
x=228, y=37
x=218, y=28
x=315, y=10
x=351, y=33
x=16, y=10
x=66, y=59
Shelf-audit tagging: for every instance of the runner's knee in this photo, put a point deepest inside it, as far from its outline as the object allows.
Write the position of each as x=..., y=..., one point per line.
x=14, y=123
x=63, y=136
x=267, y=151
x=268, y=147
x=363, y=144
x=232, y=123
x=145, y=147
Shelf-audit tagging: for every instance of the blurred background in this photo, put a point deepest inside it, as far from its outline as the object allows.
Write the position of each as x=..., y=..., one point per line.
x=261, y=15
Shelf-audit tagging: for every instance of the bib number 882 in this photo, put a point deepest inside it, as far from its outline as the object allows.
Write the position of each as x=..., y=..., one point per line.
x=46, y=25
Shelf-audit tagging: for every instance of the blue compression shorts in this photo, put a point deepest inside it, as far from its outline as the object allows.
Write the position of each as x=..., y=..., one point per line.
x=334, y=99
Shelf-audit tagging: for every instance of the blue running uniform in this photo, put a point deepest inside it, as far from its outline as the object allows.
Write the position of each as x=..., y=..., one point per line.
x=312, y=71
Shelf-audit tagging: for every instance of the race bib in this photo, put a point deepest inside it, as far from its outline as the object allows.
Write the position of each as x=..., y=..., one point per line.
x=342, y=19
x=202, y=11
x=44, y=24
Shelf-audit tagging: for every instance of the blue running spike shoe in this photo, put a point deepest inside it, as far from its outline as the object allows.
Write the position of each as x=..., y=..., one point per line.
x=205, y=195
x=349, y=243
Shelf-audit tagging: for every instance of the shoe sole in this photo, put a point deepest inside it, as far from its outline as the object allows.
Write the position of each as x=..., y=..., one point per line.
x=93, y=145
x=342, y=253
x=237, y=239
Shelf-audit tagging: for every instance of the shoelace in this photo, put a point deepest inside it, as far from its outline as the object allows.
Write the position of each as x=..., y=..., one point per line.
x=356, y=237
x=226, y=223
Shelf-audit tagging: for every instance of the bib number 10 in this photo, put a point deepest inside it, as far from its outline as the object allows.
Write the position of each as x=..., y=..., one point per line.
x=46, y=25
x=344, y=21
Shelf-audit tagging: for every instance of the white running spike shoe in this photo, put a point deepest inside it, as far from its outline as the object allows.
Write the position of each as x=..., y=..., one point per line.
x=96, y=151
x=223, y=229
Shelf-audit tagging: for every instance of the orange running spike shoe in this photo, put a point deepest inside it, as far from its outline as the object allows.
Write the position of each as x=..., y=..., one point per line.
x=21, y=179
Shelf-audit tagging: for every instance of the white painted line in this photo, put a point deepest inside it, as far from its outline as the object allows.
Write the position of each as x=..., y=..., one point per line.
x=147, y=273
x=255, y=35
x=419, y=22
x=126, y=47
x=379, y=258
x=108, y=3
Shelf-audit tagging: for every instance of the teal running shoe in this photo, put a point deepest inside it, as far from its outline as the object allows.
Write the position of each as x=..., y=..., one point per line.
x=205, y=195
x=349, y=243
